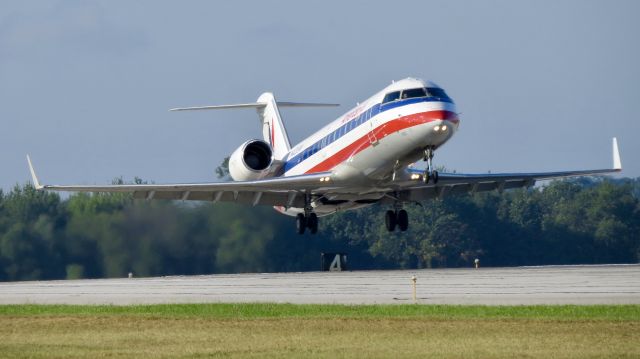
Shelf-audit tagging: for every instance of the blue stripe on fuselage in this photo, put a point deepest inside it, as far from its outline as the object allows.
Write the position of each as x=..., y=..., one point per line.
x=352, y=124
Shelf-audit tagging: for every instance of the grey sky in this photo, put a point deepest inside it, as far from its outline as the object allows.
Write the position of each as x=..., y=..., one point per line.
x=85, y=85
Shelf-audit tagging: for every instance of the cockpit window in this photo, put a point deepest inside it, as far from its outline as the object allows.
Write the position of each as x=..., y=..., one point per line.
x=437, y=92
x=412, y=93
x=391, y=96
x=432, y=92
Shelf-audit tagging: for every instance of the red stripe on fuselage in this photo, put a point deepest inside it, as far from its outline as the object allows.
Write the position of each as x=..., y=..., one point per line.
x=380, y=132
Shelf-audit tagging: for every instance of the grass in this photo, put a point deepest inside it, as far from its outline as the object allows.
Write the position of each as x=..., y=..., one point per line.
x=267, y=310
x=286, y=330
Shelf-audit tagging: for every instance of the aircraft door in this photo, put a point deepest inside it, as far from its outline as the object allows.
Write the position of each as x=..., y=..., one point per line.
x=372, y=135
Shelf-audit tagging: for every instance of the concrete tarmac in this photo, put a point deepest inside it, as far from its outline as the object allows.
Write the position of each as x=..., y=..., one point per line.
x=600, y=284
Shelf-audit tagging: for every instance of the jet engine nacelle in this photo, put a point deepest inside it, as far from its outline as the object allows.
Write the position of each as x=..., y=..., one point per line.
x=251, y=161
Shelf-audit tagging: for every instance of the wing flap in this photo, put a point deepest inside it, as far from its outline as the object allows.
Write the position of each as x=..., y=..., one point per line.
x=243, y=197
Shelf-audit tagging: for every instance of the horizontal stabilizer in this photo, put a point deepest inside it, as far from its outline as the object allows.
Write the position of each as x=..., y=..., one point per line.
x=221, y=107
x=255, y=105
x=306, y=104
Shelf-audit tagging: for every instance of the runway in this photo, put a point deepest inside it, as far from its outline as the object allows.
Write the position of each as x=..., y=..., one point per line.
x=606, y=284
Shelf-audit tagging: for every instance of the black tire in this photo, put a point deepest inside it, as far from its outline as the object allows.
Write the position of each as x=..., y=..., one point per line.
x=390, y=220
x=301, y=223
x=426, y=178
x=435, y=177
x=403, y=220
x=312, y=223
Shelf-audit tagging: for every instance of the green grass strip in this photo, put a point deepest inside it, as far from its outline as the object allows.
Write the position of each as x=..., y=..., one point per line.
x=267, y=310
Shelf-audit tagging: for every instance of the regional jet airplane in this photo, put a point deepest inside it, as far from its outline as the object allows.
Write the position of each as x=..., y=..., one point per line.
x=361, y=158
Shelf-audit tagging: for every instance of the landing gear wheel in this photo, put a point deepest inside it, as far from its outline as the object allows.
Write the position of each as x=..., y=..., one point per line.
x=403, y=220
x=301, y=223
x=435, y=177
x=426, y=177
x=312, y=223
x=390, y=220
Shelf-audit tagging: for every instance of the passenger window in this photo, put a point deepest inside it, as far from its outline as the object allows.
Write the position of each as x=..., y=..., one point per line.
x=392, y=96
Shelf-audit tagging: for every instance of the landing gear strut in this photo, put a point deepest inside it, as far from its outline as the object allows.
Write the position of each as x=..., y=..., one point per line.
x=430, y=174
x=398, y=218
x=307, y=220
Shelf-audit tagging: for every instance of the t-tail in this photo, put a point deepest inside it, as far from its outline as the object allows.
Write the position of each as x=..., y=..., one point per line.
x=273, y=129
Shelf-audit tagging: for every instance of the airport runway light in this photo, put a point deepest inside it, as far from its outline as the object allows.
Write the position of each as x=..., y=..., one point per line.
x=413, y=284
x=477, y=263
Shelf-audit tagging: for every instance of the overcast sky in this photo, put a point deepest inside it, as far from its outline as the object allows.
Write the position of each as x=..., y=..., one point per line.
x=85, y=85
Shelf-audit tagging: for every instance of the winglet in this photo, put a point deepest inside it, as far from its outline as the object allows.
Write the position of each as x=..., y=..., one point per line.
x=34, y=178
x=617, y=164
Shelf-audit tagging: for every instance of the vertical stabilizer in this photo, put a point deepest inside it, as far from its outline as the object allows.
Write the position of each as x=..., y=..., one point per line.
x=273, y=130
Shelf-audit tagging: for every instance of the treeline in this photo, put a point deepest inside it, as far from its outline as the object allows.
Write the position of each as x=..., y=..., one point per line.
x=43, y=236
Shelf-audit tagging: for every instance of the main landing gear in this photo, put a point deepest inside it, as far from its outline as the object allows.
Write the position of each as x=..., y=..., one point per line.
x=398, y=218
x=308, y=219
x=430, y=174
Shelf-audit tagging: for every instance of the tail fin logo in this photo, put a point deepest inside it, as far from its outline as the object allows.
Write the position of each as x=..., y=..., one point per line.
x=273, y=135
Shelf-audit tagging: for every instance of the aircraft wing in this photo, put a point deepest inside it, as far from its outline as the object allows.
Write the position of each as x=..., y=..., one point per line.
x=289, y=191
x=279, y=191
x=459, y=183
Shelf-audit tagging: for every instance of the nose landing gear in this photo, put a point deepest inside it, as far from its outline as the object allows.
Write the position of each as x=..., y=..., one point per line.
x=430, y=174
